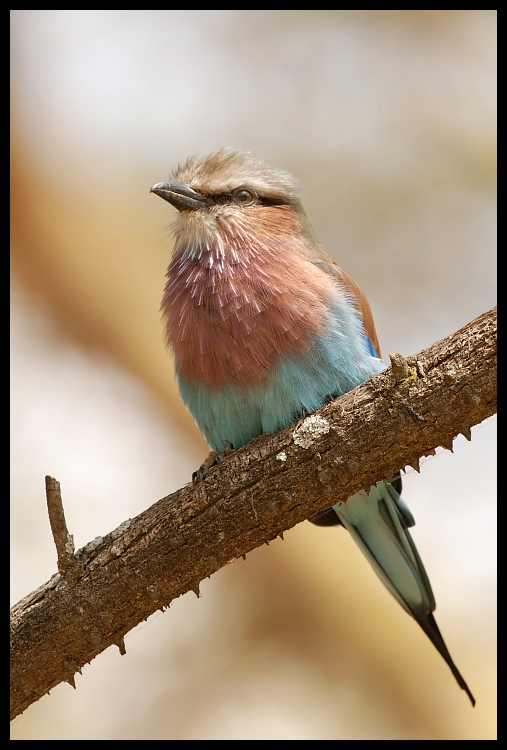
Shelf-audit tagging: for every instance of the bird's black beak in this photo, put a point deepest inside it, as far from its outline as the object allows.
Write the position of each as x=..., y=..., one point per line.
x=180, y=195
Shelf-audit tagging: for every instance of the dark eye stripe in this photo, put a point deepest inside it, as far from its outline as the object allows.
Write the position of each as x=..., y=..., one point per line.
x=221, y=198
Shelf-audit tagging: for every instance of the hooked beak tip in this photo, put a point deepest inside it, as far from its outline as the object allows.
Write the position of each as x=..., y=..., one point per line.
x=180, y=195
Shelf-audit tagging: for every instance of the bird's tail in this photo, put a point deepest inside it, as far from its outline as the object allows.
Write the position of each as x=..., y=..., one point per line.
x=379, y=523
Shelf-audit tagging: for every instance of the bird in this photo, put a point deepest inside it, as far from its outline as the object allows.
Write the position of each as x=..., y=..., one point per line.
x=265, y=327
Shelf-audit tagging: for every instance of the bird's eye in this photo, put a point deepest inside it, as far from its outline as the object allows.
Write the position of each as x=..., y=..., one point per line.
x=244, y=197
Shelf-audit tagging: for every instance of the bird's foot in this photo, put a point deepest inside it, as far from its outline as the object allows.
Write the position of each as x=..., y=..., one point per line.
x=396, y=482
x=328, y=518
x=213, y=459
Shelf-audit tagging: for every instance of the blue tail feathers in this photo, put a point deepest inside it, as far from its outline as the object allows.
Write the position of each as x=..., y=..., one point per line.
x=379, y=523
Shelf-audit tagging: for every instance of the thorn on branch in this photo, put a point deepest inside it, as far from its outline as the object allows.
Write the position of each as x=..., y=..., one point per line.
x=64, y=542
x=415, y=464
x=447, y=445
x=399, y=367
x=466, y=432
x=195, y=589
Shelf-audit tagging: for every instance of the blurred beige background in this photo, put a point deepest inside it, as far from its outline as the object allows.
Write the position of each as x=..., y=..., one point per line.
x=388, y=120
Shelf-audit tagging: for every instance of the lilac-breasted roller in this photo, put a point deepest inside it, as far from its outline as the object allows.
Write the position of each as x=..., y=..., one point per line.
x=264, y=327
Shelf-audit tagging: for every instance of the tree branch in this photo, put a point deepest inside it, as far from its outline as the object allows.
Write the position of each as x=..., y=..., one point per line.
x=256, y=494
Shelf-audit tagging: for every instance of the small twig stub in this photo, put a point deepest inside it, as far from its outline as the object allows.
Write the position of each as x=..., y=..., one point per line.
x=64, y=542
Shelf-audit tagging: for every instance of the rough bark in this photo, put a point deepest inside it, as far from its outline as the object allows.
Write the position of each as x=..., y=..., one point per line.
x=254, y=495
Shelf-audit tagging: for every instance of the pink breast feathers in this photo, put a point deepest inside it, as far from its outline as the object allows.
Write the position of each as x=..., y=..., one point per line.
x=237, y=303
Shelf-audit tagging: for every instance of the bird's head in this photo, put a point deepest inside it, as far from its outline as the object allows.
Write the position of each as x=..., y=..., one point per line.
x=242, y=285
x=229, y=192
